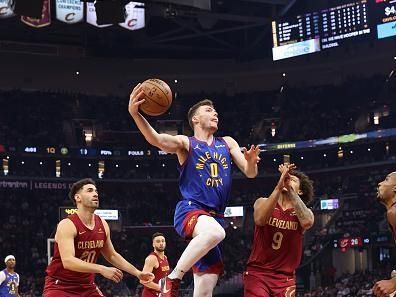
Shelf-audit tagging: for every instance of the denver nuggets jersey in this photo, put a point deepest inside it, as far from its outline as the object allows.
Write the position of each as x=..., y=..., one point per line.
x=10, y=284
x=205, y=177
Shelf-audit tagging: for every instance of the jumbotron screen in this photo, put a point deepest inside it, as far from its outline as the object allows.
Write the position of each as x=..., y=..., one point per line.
x=385, y=18
x=332, y=27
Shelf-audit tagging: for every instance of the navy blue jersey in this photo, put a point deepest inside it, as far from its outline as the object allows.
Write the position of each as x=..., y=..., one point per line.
x=205, y=177
x=8, y=287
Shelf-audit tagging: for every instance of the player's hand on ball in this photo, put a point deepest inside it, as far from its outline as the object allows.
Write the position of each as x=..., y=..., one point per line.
x=145, y=277
x=384, y=288
x=136, y=99
x=252, y=155
x=112, y=273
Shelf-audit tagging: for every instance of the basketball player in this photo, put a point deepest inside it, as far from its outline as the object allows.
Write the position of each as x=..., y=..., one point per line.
x=280, y=221
x=79, y=240
x=157, y=263
x=205, y=184
x=9, y=279
x=387, y=196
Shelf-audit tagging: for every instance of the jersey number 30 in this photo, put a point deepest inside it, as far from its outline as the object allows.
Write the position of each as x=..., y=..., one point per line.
x=277, y=240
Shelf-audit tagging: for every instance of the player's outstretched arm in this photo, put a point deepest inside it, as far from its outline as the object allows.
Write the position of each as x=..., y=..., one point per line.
x=65, y=234
x=110, y=254
x=149, y=264
x=263, y=207
x=246, y=161
x=165, y=142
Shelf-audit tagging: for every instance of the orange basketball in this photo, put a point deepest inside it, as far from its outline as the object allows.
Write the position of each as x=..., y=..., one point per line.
x=158, y=97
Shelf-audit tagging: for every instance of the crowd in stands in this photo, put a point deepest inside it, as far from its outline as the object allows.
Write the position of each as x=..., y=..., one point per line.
x=358, y=284
x=54, y=118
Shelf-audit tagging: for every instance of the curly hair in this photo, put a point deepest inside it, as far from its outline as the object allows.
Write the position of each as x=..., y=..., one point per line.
x=306, y=186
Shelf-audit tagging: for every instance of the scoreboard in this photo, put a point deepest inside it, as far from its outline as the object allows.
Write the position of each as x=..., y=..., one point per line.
x=342, y=22
x=385, y=18
x=332, y=27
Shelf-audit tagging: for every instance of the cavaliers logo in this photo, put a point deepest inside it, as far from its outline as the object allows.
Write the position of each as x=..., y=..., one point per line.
x=3, y=10
x=70, y=17
x=132, y=23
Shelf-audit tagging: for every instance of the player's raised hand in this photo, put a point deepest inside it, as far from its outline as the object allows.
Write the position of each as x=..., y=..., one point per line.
x=135, y=99
x=252, y=155
x=384, y=288
x=284, y=179
x=145, y=277
x=112, y=273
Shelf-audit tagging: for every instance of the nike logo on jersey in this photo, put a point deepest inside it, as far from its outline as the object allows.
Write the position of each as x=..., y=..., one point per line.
x=82, y=232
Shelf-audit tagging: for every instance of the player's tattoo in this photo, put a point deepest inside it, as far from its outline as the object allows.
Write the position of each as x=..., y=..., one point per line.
x=302, y=211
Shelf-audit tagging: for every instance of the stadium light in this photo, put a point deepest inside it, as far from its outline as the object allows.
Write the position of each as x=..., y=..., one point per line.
x=58, y=168
x=5, y=167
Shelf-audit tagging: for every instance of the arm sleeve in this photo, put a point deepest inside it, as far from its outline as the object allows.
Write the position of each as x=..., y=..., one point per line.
x=2, y=277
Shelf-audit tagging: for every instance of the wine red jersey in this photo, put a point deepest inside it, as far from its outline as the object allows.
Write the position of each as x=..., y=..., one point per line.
x=277, y=246
x=87, y=245
x=160, y=272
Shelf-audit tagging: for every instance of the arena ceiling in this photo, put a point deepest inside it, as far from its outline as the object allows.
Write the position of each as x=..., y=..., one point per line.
x=239, y=29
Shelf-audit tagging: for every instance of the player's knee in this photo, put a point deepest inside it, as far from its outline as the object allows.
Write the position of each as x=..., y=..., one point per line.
x=217, y=235
x=203, y=291
x=206, y=293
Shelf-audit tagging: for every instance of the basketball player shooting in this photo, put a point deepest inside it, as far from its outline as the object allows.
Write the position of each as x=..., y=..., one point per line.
x=386, y=195
x=280, y=221
x=79, y=240
x=205, y=184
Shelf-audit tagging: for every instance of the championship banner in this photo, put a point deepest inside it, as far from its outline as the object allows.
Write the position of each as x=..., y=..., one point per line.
x=6, y=9
x=69, y=11
x=45, y=17
x=135, y=18
x=91, y=16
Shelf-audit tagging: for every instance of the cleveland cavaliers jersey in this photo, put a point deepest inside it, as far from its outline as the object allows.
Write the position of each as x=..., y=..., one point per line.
x=160, y=272
x=87, y=246
x=205, y=177
x=277, y=246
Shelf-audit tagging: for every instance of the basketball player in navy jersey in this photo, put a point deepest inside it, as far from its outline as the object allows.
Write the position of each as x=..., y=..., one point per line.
x=205, y=163
x=157, y=263
x=9, y=279
x=280, y=221
x=387, y=196
x=79, y=240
